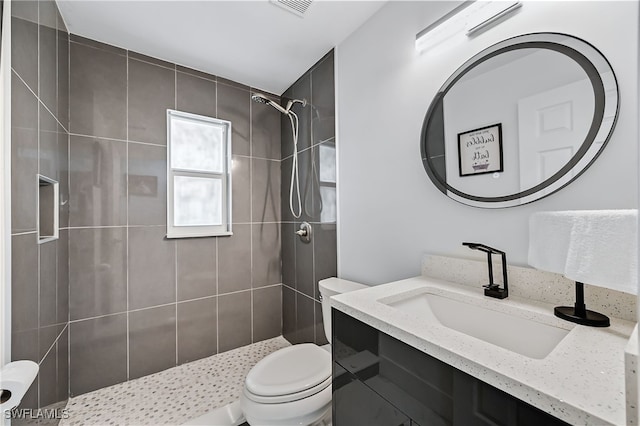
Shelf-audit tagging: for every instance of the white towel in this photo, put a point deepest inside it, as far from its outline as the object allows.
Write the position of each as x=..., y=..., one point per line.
x=597, y=247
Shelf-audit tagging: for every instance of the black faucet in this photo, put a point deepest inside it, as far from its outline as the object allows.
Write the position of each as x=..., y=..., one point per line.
x=493, y=289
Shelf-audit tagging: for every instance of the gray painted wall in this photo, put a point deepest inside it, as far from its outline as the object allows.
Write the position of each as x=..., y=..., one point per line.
x=390, y=213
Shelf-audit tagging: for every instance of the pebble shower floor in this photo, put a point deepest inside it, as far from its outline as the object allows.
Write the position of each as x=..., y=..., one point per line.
x=173, y=396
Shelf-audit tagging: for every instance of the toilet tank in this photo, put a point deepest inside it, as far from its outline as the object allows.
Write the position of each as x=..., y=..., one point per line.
x=331, y=287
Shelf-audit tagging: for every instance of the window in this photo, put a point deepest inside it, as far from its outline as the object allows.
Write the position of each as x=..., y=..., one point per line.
x=327, y=160
x=198, y=176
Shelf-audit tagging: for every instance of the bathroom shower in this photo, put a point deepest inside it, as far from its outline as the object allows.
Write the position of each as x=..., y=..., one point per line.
x=293, y=119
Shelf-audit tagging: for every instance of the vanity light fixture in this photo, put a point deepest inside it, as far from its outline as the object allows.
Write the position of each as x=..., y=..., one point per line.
x=470, y=18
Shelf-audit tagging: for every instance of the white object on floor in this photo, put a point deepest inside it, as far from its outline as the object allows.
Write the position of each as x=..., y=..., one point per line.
x=229, y=415
x=597, y=247
x=15, y=379
x=292, y=386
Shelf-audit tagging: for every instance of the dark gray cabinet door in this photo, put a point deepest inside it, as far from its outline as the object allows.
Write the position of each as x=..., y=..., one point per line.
x=355, y=404
x=480, y=404
x=379, y=380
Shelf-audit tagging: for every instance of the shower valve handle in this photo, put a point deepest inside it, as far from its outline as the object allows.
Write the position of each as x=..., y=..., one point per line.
x=304, y=232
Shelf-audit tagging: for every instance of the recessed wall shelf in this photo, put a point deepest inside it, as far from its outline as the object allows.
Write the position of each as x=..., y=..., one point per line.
x=48, y=212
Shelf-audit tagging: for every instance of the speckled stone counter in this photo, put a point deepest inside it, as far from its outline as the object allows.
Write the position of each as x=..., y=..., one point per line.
x=582, y=381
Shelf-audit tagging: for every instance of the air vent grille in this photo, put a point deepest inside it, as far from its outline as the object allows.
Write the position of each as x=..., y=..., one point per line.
x=298, y=7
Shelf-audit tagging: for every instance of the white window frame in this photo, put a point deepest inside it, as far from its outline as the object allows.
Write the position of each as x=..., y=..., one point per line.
x=200, y=231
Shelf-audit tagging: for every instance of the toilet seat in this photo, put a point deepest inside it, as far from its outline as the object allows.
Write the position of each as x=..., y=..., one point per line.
x=279, y=399
x=289, y=374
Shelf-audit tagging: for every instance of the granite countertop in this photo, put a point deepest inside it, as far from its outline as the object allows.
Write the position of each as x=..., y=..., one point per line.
x=582, y=381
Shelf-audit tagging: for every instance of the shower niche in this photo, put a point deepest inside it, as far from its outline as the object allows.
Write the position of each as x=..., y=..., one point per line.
x=48, y=213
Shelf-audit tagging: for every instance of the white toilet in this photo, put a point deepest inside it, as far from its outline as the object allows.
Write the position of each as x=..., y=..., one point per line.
x=292, y=386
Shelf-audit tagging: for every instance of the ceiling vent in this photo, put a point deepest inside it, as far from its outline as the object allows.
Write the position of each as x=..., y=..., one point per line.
x=297, y=7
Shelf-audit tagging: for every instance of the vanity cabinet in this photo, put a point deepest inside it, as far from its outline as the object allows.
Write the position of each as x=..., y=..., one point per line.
x=378, y=380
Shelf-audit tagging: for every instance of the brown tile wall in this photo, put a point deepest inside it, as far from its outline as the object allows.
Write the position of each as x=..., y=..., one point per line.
x=140, y=303
x=40, y=139
x=304, y=264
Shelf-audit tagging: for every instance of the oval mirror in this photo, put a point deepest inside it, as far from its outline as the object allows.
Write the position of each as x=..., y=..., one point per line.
x=520, y=120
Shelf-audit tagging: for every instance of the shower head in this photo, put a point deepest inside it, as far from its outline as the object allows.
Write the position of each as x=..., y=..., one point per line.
x=262, y=99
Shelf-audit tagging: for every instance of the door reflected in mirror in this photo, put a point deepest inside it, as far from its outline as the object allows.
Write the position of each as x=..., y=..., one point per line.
x=520, y=120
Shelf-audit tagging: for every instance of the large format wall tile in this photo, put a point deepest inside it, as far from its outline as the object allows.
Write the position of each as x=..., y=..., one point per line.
x=24, y=282
x=304, y=265
x=305, y=318
x=147, y=177
x=152, y=268
x=288, y=254
x=24, y=345
x=47, y=62
x=63, y=365
x=98, y=356
x=267, y=312
x=152, y=340
x=47, y=337
x=98, y=92
x=40, y=283
x=50, y=163
x=234, y=320
x=233, y=105
x=266, y=256
x=24, y=43
x=98, y=178
x=289, y=329
x=300, y=90
x=324, y=102
x=265, y=130
x=62, y=295
x=48, y=282
x=196, y=291
x=151, y=93
x=24, y=156
x=48, y=379
x=241, y=189
x=325, y=256
x=196, y=95
x=197, y=268
x=98, y=272
x=197, y=329
x=234, y=260
x=265, y=187
x=63, y=74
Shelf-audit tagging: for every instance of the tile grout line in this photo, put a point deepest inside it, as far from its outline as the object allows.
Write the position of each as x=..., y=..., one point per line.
x=127, y=207
x=68, y=215
x=251, y=160
x=38, y=246
x=218, y=249
x=175, y=248
x=217, y=294
x=175, y=107
x=55, y=341
x=40, y=102
x=165, y=304
x=313, y=198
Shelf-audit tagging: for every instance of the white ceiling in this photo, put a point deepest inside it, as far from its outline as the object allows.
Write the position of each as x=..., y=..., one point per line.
x=252, y=42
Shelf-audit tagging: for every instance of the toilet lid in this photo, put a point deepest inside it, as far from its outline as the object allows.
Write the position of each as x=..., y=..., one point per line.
x=289, y=370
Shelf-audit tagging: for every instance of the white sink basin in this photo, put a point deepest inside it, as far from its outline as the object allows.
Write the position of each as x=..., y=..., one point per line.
x=515, y=333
